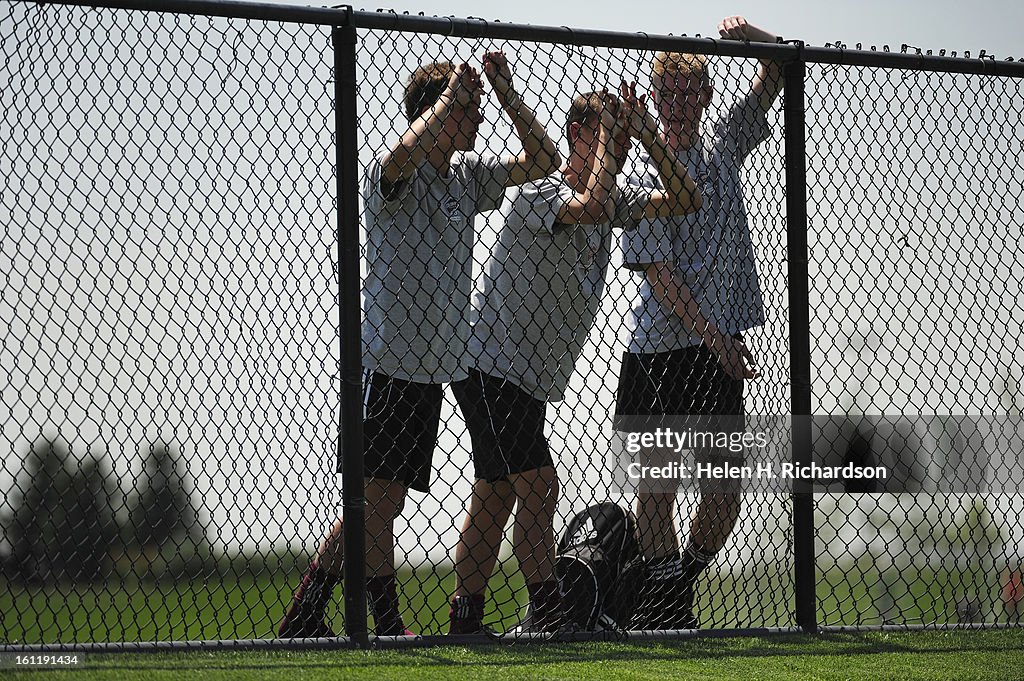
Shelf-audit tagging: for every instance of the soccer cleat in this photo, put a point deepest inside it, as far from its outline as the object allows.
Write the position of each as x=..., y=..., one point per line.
x=666, y=596
x=683, y=620
x=680, y=609
x=664, y=605
x=554, y=623
x=401, y=630
x=299, y=624
x=305, y=616
x=470, y=628
x=531, y=628
x=461, y=627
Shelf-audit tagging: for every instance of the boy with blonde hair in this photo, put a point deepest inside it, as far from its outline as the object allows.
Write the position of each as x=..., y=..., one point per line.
x=699, y=292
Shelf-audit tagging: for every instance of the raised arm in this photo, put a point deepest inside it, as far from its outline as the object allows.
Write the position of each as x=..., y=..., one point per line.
x=680, y=195
x=401, y=160
x=539, y=157
x=768, y=81
x=594, y=205
x=732, y=353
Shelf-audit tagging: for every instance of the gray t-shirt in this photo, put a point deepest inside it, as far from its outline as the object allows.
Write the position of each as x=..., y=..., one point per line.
x=419, y=248
x=542, y=286
x=711, y=248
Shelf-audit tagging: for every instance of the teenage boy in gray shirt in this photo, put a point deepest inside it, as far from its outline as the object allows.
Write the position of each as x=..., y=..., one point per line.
x=420, y=200
x=541, y=292
x=699, y=292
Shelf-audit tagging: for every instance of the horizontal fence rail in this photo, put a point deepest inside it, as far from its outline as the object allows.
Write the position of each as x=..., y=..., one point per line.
x=917, y=60
x=195, y=398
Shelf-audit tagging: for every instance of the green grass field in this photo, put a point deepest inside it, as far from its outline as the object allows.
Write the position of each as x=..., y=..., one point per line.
x=974, y=656
x=242, y=608
x=250, y=607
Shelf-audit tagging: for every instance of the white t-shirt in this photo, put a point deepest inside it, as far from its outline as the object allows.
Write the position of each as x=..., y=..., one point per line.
x=542, y=286
x=712, y=248
x=419, y=248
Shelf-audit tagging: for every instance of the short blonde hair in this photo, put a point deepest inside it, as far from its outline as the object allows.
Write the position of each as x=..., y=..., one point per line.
x=588, y=106
x=675, y=64
x=425, y=86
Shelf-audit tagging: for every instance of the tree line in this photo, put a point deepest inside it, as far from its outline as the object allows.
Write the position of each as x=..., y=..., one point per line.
x=68, y=519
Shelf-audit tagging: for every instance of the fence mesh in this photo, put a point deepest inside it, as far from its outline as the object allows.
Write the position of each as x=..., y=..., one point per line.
x=172, y=342
x=915, y=219
x=170, y=323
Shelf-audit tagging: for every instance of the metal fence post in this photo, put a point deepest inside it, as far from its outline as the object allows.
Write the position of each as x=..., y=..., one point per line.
x=800, y=341
x=351, y=440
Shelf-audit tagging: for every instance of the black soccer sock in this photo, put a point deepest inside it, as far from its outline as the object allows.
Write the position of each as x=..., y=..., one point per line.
x=664, y=574
x=664, y=569
x=546, y=603
x=316, y=589
x=655, y=597
x=466, y=614
x=667, y=600
x=383, y=597
x=694, y=560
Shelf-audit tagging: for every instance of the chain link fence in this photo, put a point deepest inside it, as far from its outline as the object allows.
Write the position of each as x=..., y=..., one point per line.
x=172, y=340
x=170, y=320
x=914, y=220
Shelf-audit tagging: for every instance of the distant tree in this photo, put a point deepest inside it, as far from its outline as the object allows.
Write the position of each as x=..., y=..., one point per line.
x=91, y=530
x=63, y=527
x=34, y=528
x=979, y=532
x=163, y=521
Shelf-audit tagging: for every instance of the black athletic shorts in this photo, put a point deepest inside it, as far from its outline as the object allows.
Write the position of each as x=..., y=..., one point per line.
x=400, y=424
x=683, y=389
x=684, y=382
x=506, y=425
